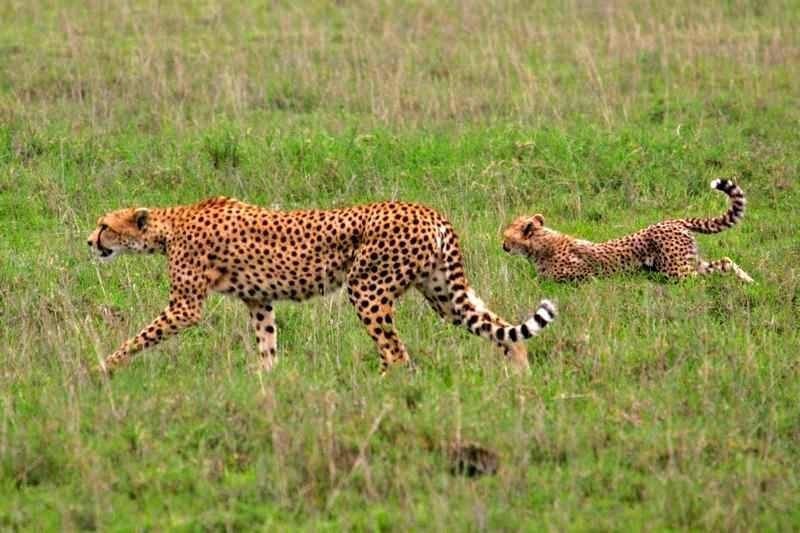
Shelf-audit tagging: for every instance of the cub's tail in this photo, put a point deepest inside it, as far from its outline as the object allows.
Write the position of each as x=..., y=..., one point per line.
x=726, y=220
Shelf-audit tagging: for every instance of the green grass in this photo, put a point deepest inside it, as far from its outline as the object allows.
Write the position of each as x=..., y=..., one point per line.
x=650, y=405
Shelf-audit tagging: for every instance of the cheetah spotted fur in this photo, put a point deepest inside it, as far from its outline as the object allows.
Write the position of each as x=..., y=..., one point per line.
x=261, y=256
x=667, y=247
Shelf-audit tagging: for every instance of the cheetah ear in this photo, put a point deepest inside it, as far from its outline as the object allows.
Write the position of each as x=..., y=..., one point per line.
x=527, y=229
x=140, y=217
x=536, y=221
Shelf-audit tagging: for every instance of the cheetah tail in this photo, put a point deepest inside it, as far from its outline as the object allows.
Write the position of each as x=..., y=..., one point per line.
x=483, y=322
x=726, y=220
x=472, y=312
x=536, y=322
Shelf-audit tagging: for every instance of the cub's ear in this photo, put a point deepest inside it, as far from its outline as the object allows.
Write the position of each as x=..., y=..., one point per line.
x=527, y=229
x=536, y=221
x=140, y=217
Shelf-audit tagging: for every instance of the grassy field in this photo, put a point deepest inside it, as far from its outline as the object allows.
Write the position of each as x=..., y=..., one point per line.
x=650, y=405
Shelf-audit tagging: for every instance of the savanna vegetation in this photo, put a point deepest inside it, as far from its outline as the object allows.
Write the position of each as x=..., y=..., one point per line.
x=649, y=405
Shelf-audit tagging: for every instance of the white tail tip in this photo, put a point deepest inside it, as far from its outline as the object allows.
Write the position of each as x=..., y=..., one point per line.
x=547, y=310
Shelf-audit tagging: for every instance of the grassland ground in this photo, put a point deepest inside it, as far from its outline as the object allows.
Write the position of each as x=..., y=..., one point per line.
x=650, y=405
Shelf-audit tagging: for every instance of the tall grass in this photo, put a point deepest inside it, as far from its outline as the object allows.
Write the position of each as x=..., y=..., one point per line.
x=151, y=65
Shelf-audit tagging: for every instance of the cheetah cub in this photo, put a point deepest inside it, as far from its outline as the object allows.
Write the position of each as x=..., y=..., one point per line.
x=667, y=247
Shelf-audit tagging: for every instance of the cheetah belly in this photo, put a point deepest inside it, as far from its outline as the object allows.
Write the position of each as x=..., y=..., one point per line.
x=315, y=275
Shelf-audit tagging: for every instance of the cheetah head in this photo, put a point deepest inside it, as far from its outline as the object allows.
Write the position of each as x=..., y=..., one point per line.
x=121, y=231
x=527, y=236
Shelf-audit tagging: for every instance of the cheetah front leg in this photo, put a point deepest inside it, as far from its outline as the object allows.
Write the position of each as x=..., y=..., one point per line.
x=177, y=316
x=262, y=318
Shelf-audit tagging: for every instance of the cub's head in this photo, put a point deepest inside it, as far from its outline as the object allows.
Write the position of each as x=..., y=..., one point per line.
x=526, y=236
x=121, y=231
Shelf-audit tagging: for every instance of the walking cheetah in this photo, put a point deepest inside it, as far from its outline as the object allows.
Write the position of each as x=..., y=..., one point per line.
x=260, y=256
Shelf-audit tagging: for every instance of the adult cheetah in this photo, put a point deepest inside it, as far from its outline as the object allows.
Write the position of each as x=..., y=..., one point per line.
x=667, y=247
x=260, y=256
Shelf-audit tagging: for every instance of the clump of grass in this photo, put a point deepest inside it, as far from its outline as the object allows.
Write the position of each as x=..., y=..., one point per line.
x=223, y=148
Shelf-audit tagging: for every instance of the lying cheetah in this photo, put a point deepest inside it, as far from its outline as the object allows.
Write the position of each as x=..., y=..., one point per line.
x=667, y=247
x=260, y=256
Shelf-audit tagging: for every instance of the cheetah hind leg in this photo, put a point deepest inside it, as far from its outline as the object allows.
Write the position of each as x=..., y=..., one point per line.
x=262, y=318
x=438, y=293
x=378, y=318
x=725, y=266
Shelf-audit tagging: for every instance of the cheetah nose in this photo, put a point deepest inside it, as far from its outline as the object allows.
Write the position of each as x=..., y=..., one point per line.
x=89, y=243
x=506, y=247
